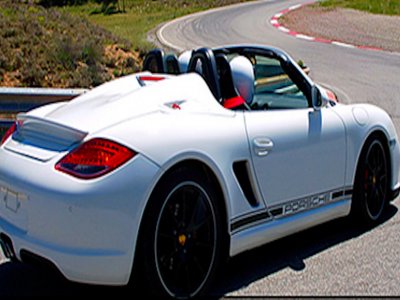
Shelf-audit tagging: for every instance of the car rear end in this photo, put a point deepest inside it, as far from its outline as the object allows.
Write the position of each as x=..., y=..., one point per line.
x=71, y=198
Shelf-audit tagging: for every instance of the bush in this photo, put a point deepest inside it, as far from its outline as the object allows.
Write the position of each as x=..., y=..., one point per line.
x=3, y=62
x=91, y=53
x=66, y=53
x=50, y=48
x=33, y=76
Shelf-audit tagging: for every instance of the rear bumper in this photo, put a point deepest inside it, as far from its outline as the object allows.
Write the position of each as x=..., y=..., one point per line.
x=87, y=229
x=100, y=266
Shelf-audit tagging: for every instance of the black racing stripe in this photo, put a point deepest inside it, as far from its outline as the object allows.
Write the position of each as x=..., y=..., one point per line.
x=276, y=212
x=337, y=194
x=243, y=222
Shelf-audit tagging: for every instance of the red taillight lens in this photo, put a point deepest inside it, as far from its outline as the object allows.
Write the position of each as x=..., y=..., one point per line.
x=8, y=133
x=94, y=158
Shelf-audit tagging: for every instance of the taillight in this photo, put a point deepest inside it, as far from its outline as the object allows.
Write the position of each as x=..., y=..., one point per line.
x=8, y=133
x=94, y=158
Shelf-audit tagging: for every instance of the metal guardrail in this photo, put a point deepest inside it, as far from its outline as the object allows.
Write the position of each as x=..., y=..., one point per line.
x=15, y=100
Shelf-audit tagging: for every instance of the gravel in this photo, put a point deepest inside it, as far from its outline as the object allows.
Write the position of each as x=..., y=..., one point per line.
x=346, y=25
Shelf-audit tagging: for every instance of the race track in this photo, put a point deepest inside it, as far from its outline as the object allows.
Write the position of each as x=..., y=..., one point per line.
x=337, y=259
x=356, y=75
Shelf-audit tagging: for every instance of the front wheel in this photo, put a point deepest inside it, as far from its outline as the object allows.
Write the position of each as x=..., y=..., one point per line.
x=371, y=183
x=182, y=236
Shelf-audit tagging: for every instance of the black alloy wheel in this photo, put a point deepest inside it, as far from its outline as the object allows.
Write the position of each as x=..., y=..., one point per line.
x=372, y=182
x=183, y=237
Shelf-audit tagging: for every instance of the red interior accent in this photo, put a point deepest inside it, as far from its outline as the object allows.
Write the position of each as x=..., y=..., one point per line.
x=234, y=102
x=151, y=78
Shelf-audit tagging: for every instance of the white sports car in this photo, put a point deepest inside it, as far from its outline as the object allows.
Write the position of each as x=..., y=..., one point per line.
x=167, y=174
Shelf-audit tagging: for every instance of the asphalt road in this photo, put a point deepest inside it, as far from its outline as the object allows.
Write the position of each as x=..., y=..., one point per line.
x=335, y=259
x=357, y=75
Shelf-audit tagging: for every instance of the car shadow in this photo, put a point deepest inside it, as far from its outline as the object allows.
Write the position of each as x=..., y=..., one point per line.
x=26, y=280
x=21, y=280
x=289, y=252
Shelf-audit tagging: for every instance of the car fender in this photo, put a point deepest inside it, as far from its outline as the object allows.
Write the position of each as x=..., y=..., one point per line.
x=214, y=140
x=361, y=120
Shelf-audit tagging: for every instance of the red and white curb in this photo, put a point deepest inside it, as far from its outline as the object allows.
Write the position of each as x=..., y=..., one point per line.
x=275, y=22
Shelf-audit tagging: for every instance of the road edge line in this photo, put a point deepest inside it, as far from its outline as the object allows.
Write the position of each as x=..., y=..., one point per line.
x=274, y=21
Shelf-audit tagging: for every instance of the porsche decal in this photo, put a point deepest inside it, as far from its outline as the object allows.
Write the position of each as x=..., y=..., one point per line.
x=292, y=207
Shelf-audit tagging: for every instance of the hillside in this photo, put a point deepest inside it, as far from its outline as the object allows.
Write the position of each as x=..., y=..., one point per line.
x=50, y=48
x=78, y=45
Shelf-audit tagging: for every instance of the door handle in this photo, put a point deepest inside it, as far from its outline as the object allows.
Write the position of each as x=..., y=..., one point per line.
x=263, y=146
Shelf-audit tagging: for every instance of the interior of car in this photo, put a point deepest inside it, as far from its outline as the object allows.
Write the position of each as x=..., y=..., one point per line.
x=238, y=80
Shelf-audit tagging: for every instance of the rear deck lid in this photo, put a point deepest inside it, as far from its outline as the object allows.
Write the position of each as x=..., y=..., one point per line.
x=29, y=140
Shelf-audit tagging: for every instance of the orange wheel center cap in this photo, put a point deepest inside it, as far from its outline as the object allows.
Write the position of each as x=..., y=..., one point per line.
x=182, y=239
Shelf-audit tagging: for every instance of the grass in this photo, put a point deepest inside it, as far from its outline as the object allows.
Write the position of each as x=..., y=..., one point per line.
x=141, y=16
x=76, y=46
x=47, y=48
x=385, y=7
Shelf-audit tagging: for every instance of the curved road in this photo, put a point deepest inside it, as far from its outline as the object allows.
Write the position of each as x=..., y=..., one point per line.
x=362, y=75
x=336, y=259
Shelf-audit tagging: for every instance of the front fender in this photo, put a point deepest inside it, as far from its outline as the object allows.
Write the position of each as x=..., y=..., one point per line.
x=362, y=120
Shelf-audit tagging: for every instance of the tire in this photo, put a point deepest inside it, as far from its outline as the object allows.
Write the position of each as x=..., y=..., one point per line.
x=182, y=236
x=371, y=185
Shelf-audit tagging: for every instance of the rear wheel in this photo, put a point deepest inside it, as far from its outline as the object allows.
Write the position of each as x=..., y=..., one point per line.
x=371, y=183
x=182, y=236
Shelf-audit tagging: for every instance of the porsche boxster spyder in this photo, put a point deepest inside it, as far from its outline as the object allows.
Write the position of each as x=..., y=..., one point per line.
x=169, y=171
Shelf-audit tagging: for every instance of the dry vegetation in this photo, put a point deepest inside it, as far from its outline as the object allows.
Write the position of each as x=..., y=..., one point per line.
x=50, y=48
x=55, y=43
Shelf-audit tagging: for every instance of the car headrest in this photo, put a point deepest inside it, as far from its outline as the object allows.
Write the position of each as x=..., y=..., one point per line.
x=184, y=59
x=243, y=77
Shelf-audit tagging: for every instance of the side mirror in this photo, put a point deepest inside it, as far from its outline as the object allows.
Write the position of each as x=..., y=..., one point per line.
x=304, y=67
x=318, y=100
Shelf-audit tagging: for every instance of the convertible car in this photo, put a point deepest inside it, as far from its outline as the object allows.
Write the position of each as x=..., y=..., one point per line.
x=168, y=172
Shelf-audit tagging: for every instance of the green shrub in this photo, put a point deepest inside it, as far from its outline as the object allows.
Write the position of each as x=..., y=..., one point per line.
x=33, y=76
x=66, y=53
x=91, y=53
x=48, y=47
x=3, y=61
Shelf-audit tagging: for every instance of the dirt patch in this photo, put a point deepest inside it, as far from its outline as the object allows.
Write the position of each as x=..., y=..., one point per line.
x=346, y=25
x=121, y=61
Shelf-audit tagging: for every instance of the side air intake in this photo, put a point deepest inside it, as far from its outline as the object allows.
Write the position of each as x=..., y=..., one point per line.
x=241, y=170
